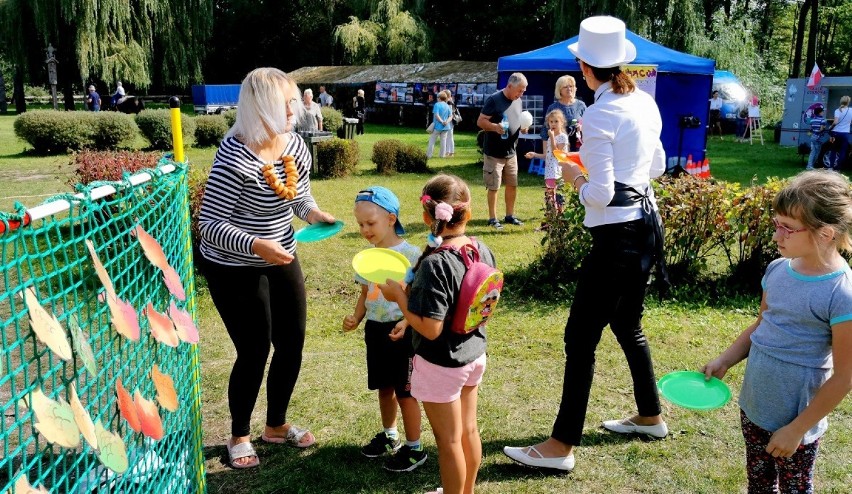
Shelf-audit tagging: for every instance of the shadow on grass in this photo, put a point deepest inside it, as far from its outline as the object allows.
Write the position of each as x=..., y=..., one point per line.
x=342, y=468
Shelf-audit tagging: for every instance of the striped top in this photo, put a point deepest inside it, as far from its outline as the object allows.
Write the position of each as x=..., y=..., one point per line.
x=239, y=207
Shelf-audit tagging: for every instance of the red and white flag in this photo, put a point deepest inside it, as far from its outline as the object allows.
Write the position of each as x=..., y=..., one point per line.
x=816, y=76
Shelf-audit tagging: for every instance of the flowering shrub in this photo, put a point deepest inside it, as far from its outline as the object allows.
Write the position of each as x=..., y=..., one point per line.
x=90, y=166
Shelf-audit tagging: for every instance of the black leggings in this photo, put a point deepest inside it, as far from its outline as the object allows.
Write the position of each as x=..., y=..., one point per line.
x=260, y=306
x=611, y=290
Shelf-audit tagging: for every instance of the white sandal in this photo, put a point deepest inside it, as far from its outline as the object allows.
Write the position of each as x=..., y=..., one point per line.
x=242, y=450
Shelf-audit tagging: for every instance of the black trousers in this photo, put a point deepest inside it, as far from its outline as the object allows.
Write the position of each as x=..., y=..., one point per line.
x=611, y=290
x=261, y=307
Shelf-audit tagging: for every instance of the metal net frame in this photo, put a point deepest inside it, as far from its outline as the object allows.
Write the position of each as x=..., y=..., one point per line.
x=49, y=255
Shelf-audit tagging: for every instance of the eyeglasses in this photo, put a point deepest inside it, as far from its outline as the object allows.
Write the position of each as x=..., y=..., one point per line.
x=779, y=228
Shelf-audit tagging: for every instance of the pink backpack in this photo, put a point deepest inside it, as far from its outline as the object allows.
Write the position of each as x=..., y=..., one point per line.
x=480, y=290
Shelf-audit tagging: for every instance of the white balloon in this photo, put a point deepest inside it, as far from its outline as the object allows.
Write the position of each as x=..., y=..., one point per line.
x=526, y=119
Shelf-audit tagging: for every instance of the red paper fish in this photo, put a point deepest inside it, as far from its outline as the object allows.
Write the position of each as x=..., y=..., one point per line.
x=152, y=424
x=162, y=328
x=127, y=408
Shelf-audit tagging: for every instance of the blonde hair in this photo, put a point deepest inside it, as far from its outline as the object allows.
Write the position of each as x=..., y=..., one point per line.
x=558, y=115
x=844, y=101
x=264, y=97
x=819, y=198
x=442, y=96
x=562, y=82
x=361, y=93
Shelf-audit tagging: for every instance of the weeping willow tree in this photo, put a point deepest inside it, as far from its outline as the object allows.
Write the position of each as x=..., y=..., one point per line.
x=391, y=34
x=109, y=39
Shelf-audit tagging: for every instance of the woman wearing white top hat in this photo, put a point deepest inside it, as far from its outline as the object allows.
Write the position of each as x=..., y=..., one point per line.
x=622, y=152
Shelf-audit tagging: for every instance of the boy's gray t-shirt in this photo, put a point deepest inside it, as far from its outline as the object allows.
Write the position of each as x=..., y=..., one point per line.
x=790, y=356
x=436, y=284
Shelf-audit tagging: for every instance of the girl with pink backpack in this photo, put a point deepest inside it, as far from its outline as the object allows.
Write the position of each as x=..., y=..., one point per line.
x=451, y=295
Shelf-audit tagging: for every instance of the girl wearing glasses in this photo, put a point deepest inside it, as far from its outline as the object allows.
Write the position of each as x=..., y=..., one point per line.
x=803, y=331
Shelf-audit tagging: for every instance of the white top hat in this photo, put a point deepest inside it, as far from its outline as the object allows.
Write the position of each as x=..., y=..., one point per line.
x=602, y=43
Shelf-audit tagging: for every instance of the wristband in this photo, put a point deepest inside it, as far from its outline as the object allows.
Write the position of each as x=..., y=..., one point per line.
x=574, y=182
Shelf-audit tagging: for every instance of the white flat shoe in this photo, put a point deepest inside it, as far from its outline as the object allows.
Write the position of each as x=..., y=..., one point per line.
x=522, y=456
x=627, y=427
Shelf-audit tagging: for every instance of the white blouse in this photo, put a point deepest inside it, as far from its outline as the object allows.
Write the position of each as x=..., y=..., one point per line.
x=621, y=142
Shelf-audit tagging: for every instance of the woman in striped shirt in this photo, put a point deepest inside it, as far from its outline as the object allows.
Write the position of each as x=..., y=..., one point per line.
x=249, y=256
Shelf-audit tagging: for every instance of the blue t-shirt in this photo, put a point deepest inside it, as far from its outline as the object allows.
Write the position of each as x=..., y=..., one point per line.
x=378, y=308
x=443, y=110
x=790, y=356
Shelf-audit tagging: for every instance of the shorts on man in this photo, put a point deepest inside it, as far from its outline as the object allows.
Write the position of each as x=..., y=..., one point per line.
x=496, y=171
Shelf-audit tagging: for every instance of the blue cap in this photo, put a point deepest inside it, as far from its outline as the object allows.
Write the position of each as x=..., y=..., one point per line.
x=385, y=199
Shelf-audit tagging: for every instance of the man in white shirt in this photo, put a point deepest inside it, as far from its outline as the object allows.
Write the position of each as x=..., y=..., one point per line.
x=325, y=99
x=716, y=114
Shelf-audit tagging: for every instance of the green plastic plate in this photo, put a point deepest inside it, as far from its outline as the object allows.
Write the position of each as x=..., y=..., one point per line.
x=376, y=265
x=318, y=231
x=689, y=389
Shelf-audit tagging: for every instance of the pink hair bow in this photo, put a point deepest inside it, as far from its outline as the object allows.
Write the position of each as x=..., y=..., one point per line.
x=443, y=211
x=425, y=198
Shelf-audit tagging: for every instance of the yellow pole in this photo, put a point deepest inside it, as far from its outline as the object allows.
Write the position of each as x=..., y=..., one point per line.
x=177, y=132
x=177, y=144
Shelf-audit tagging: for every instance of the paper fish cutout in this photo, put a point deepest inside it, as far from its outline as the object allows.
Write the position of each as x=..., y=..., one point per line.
x=186, y=329
x=55, y=419
x=81, y=346
x=22, y=486
x=124, y=318
x=100, y=270
x=166, y=394
x=152, y=424
x=162, y=328
x=111, y=450
x=47, y=327
x=126, y=407
x=172, y=280
x=123, y=315
x=82, y=419
x=151, y=248
x=154, y=252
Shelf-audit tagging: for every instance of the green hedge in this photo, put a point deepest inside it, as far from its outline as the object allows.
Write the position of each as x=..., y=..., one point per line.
x=393, y=155
x=331, y=119
x=210, y=130
x=156, y=126
x=704, y=220
x=50, y=131
x=230, y=117
x=337, y=157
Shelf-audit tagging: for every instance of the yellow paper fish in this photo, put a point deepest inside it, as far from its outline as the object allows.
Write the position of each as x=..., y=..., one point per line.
x=46, y=326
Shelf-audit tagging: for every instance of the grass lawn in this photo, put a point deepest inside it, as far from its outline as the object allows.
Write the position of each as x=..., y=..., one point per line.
x=520, y=393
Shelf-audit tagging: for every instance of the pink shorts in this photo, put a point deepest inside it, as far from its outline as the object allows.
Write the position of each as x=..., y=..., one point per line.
x=437, y=384
x=550, y=183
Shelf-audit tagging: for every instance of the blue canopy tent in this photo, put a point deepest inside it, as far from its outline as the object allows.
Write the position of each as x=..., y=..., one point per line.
x=683, y=86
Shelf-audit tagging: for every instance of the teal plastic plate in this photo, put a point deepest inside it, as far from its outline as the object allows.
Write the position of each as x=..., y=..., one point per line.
x=318, y=231
x=689, y=389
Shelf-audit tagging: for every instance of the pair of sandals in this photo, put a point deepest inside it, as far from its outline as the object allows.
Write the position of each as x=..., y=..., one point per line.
x=296, y=437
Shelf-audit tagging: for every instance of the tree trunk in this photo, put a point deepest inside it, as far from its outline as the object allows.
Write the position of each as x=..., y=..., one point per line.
x=800, y=39
x=812, y=34
x=2, y=95
x=18, y=84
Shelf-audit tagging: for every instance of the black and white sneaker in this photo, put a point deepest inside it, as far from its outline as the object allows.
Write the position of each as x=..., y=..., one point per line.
x=406, y=459
x=511, y=220
x=381, y=444
x=495, y=224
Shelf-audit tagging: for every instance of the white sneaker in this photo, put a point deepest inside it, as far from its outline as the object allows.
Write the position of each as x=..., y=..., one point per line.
x=627, y=427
